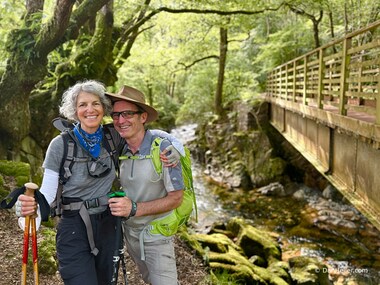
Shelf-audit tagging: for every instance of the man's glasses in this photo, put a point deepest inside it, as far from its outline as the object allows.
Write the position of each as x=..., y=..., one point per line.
x=124, y=114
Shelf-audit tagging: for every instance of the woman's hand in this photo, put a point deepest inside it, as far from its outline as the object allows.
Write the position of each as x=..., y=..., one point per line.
x=170, y=156
x=25, y=206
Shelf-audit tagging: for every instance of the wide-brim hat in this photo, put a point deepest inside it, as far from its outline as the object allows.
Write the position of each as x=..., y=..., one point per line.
x=135, y=96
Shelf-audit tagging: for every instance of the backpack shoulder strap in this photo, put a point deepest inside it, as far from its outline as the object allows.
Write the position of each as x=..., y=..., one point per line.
x=109, y=144
x=155, y=151
x=62, y=124
x=68, y=158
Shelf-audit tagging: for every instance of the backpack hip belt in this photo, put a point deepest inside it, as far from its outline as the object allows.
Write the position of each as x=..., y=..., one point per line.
x=83, y=207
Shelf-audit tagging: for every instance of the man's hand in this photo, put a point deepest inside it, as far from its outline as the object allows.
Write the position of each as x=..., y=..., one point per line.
x=120, y=206
x=170, y=156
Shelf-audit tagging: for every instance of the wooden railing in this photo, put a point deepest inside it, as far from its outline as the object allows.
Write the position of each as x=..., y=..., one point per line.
x=342, y=76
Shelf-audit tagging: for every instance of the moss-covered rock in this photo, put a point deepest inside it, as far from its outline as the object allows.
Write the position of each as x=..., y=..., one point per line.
x=19, y=170
x=281, y=269
x=254, y=241
x=12, y=174
x=308, y=271
x=224, y=254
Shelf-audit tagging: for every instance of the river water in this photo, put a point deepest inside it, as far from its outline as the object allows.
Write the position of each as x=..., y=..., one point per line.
x=351, y=259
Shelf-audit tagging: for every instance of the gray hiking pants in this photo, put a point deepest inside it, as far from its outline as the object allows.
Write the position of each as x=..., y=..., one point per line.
x=159, y=266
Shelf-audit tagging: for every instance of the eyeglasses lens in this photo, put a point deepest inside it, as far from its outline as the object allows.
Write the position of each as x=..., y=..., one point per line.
x=124, y=114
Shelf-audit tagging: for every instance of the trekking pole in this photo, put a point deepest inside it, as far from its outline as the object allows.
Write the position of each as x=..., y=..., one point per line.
x=30, y=221
x=119, y=246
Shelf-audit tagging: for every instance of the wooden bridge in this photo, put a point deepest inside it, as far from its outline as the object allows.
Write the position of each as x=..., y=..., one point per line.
x=326, y=104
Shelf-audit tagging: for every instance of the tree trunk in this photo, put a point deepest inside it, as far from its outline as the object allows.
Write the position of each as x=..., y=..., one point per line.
x=26, y=67
x=27, y=105
x=222, y=65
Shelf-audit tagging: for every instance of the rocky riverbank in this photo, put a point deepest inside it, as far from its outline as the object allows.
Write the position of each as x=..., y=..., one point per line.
x=263, y=178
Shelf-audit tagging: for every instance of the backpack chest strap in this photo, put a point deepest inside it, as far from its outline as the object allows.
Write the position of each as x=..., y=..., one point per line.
x=136, y=157
x=154, y=155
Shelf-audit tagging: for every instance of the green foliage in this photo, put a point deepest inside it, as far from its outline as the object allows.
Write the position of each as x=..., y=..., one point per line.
x=199, y=94
x=21, y=40
x=167, y=110
x=19, y=170
x=3, y=192
x=223, y=277
x=174, y=51
x=10, y=12
x=47, y=263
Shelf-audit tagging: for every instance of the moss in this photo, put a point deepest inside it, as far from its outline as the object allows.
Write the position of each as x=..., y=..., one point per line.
x=19, y=170
x=281, y=269
x=254, y=241
x=240, y=274
x=191, y=241
x=308, y=269
x=51, y=223
x=3, y=193
x=46, y=252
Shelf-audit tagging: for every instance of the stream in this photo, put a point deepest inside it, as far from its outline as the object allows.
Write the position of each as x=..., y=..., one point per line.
x=351, y=258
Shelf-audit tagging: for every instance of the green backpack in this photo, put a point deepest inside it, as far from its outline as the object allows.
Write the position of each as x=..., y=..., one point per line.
x=169, y=224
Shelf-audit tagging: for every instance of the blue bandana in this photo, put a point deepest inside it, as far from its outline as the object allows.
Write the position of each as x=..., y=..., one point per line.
x=90, y=142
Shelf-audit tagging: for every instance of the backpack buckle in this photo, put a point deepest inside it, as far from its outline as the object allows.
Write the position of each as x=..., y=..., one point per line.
x=93, y=203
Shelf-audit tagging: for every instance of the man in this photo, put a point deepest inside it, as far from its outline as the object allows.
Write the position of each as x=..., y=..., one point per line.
x=149, y=196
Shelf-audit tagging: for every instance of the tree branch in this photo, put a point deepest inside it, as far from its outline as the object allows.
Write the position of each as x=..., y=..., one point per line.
x=186, y=67
x=218, y=12
x=53, y=31
x=86, y=10
x=199, y=11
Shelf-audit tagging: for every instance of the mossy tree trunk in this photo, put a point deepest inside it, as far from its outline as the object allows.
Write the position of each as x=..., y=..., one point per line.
x=26, y=66
x=31, y=87
x=46, y=57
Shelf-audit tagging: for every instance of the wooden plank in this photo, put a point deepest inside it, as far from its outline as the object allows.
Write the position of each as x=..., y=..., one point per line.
x=364, y=95
x=362, y=79
x=331, y=92
x=336, y=81
x=370, y=45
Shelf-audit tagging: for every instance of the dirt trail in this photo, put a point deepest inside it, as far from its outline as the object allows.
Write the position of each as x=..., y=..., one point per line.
x=190, y=268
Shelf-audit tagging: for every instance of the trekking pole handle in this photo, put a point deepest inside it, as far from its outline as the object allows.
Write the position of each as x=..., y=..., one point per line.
x=30, y=188
x=116, y=194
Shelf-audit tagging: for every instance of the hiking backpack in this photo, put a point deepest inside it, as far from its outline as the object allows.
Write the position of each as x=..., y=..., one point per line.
x=169, y=224
x=69, y=158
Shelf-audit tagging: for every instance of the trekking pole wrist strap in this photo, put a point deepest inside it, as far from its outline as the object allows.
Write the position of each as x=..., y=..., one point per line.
x=133, y=209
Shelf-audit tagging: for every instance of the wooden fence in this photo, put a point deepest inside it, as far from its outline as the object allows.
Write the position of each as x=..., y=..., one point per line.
x=342, y=77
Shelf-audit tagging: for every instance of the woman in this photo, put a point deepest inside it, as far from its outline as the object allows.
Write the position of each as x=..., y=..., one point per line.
x=84, y=253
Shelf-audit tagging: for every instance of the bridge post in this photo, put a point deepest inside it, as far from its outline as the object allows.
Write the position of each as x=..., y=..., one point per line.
x=321, y=72
x=294, y=81
x=343, y=76
x=304, y=101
